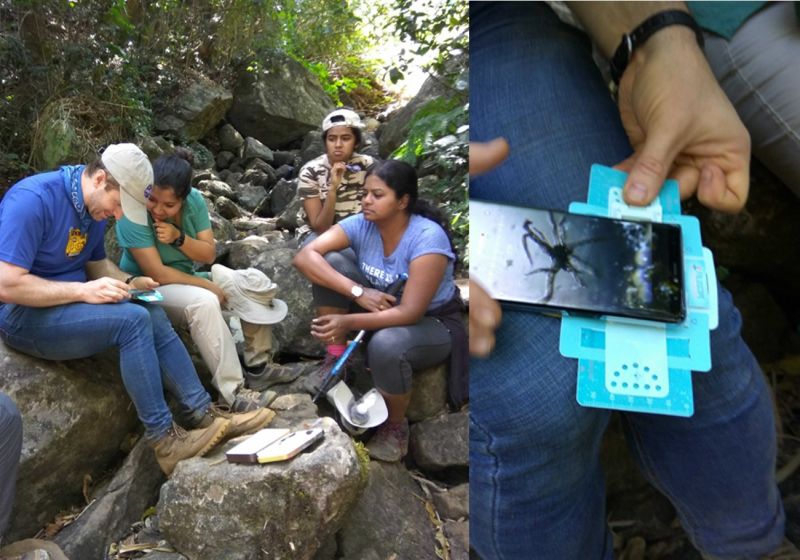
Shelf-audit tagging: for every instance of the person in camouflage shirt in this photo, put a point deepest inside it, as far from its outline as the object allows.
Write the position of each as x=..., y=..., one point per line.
x=330, y=185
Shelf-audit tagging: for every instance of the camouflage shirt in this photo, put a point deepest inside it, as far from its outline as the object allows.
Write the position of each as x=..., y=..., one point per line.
x=313, y=182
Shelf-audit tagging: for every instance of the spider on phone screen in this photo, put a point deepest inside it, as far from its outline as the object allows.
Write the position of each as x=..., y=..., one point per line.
x=560, y=251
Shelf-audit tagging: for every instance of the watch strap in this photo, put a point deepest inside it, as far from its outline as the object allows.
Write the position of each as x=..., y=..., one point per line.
x=639, y=36
x=180, y=240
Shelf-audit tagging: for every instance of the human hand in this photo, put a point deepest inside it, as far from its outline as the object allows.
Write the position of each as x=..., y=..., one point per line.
x=143, y=283
x=166, y=232
x=681, y=125
x=484, y=318
x=329, y=328
x=484, y=312
x=484, y=156
x=375, y=300
x=219, y=292
x=104, y=290
x=337, y=173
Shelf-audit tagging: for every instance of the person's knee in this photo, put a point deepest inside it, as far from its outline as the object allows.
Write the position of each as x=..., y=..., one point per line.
x=386, y=356
x=206, y=304
x=385, y=347
x=341, y=263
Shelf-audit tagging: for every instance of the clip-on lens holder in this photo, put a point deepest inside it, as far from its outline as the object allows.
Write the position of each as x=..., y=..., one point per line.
x=636, y=365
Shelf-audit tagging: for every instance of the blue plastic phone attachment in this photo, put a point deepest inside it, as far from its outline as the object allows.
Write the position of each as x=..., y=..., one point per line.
x=635, y=365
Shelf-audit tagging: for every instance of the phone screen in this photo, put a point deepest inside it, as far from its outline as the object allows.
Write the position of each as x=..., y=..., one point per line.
x=555, y=260
x=146, y=295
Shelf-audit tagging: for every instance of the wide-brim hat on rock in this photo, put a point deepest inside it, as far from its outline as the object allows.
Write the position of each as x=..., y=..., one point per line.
x=132, y=170
x=250, y=294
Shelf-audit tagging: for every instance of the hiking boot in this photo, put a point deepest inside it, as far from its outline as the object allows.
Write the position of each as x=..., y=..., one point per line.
x=179, y=444
x=272, y=374
x=390, y=442
x=317, y=377
x=240, y=423
x=247, y=400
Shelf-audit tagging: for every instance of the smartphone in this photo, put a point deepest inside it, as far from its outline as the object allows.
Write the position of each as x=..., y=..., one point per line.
x=549, y=260
x=146, y=295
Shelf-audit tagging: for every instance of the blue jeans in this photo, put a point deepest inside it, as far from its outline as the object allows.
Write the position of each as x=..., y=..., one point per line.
x=152, y=357
x=536, y=485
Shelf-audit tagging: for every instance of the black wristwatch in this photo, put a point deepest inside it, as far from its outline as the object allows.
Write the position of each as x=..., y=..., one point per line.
x=179, y=241
x=639, y=36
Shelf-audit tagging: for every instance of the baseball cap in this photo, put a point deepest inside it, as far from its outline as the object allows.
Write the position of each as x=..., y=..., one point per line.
x=132, y=170
x=342, y=117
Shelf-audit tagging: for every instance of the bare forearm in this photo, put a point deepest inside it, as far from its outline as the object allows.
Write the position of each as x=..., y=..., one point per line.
x=167, y=275
x=34, y=291
x=324, y=219
x=314, y=267
x=198, y=250
x=393, y=317
x=606, y=22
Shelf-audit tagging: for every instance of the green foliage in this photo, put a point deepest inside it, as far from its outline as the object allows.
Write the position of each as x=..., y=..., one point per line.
x=326, y=37
x=438, y=145
x=438, y=28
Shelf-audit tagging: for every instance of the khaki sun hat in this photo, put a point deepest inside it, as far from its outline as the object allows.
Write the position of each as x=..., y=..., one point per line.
x=132, y=170
x=250, y=294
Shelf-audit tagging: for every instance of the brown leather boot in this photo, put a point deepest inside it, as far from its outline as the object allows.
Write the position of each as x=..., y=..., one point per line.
x=180, y=444
x=241, y=423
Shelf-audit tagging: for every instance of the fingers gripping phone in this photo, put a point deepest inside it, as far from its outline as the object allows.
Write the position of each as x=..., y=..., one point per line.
x=555, y=261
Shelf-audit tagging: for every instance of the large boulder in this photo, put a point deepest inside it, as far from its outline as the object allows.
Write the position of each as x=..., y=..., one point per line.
x=115, y=507
x=395, y=132
x=75, y=416
x=211, y=509
x=441, y=443
x=389, y=520
x=195, y=111
x=279, y=103
x=57, y=139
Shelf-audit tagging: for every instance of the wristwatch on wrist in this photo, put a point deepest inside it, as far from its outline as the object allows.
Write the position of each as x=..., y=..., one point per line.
x=357, y=291
x=179, y=241
x=639, y=36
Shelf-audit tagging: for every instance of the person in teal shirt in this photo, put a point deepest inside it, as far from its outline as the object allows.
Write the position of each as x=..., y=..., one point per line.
x=179, y=234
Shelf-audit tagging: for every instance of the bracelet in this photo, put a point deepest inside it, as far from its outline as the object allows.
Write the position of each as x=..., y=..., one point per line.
x=131, y=278
x=639, y=36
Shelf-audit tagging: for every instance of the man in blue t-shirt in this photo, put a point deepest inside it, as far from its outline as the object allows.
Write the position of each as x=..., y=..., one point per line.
x=61, y=298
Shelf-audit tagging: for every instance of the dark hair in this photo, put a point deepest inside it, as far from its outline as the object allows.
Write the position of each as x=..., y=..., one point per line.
x=402, y=179
x=97, y=165
x=356, y=133
x=174, y=171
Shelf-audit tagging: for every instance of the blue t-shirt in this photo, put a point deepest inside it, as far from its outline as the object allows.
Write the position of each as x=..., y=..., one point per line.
x=194, y=219
x=422, y=237
x=40, y=230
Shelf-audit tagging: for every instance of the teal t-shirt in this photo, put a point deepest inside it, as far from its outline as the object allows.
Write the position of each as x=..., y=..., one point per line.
x=194, y=219
x=723, y=18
